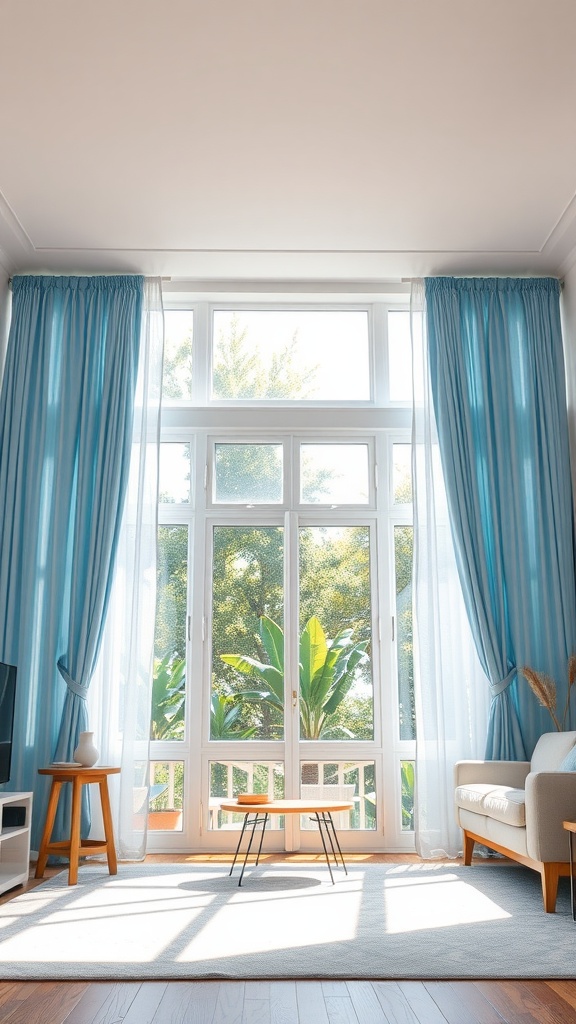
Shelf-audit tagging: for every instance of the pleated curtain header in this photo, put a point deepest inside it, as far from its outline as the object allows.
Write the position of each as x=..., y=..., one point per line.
x=31, y=282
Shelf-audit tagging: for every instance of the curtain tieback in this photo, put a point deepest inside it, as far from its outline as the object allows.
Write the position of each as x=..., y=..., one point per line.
x=79, y=691
x=497, y=688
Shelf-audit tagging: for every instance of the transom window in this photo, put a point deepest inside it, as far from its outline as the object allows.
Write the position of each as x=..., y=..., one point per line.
x=290, y=355
x=247, y=356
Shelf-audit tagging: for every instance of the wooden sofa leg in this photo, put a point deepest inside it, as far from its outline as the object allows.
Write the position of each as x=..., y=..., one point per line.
x=550, y=874
x=468, y=848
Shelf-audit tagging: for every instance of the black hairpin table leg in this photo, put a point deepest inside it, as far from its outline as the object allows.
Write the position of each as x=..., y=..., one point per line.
x=320, y=822
x=334, y=833
x=244, y=823
x=328, y=831
x=256, y=820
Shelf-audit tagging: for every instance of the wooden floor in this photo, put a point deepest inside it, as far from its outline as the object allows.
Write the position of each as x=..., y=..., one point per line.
x=287, y=1002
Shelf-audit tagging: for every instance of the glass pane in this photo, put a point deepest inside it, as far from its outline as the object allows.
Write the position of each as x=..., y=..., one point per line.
x=403, y=548
x=165, y=800
x=229, y=778
x=168, y=690
x=174, y=483
x=402, y=473
x=405, y=375
x=247, y=638
x=407, y=780
x=177, y=379
x=336, y=691
x=248, y=474
x=341, y=780
x=400, y=356
x=291, y=355
x=334, y=474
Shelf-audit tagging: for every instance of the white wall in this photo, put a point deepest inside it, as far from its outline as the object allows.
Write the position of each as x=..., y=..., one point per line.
x=5, y=306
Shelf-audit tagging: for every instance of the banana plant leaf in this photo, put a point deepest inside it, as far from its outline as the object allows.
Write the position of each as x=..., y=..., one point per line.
x=250, y=666
x=224, y=713
x=273, y=642
x=168, y=697
x=326, y=673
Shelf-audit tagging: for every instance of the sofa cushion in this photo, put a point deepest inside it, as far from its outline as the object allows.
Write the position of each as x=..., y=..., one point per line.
x=569, y=762
x=499, y=802
x=550, y=751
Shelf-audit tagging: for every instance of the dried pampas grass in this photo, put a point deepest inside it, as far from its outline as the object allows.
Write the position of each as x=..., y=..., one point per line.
x=544, y=689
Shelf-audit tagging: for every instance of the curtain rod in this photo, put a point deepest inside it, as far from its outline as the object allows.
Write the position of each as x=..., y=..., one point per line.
x=410, y=280
x=414, y=280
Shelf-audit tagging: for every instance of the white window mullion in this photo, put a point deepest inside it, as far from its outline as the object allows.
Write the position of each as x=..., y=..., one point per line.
x=198, y=650
x=379, y=351
x=201, y=355
x=291, y=675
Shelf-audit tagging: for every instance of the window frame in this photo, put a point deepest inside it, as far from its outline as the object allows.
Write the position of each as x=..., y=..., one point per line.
x=203, y=421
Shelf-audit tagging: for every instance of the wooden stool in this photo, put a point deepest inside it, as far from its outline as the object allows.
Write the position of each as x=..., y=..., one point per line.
x=75, y=847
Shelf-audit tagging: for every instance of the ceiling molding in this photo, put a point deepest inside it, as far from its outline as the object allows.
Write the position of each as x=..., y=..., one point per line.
x=288, y=252
x=5, y=266
x=15, y=226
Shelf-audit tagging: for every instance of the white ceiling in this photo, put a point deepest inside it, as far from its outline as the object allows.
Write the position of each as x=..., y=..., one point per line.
x=303, y=140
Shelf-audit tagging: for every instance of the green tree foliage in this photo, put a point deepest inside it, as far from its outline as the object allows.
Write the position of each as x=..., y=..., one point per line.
x=249, y=473
x=335, y=578
x=403, y=548
x=238, y=371
x=403, y=551
x=172, y=582
x=247, y=583
x=177, y=372
x=168, y=684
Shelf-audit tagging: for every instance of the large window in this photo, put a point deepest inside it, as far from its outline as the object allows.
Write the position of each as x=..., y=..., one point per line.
x=283, y=655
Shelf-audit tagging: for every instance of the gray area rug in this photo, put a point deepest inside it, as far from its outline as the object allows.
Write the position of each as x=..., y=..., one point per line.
x=178, y=921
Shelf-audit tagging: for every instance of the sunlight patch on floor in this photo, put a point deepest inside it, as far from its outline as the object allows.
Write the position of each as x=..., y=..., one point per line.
x=235, y=930
x=78, y=928
x=414, y=904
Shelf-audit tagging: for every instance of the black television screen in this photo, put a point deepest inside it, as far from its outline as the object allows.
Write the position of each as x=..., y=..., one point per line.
x=7, y=695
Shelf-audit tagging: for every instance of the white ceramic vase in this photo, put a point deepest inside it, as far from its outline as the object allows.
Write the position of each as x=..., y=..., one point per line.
x=86, y=753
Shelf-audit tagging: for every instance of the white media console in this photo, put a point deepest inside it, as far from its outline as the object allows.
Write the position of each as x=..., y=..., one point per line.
x=15, y=820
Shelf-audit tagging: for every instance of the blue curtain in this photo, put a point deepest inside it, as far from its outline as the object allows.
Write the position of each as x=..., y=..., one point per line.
x=66, y=412
x=497, y=377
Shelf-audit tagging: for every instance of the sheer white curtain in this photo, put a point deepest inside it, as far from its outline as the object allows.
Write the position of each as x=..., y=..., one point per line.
x=120, y=695
x=451, y=692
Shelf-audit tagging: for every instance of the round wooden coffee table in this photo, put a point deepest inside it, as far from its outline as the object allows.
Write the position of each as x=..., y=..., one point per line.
x=320, y=810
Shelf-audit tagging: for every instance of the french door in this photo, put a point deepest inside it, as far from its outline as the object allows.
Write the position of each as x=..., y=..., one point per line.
x=293, y=655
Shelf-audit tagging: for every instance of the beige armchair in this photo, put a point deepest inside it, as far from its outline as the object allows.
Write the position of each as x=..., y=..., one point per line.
x=517, y=808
